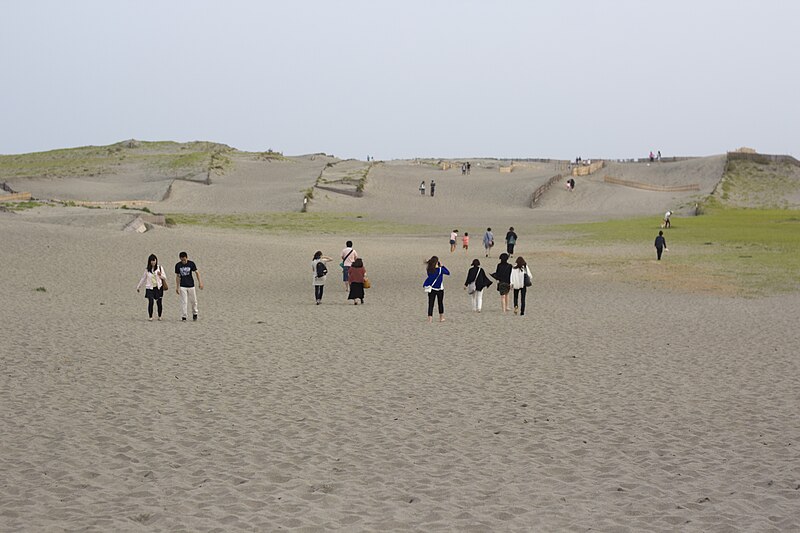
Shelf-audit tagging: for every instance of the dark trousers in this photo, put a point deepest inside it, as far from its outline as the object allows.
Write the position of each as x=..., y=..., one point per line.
x=150, y=306
x=510, y=248
x=524, y=291
x=433, y=296
x=659, y=249
x=318, y=289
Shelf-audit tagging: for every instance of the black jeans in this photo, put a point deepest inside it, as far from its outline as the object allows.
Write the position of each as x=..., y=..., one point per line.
x=510, y=248
x=318, y=289
x=150, y=306
x=659, y=249
x=433, y=296
x=524, y=291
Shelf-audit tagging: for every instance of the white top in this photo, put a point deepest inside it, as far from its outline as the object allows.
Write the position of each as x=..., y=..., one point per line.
x=350, y=258
x=518, y=277
x=318, y=281
x=151, y=280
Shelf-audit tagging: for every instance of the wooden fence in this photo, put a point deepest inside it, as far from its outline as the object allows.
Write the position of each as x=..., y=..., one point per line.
x=585, y=170
x=16, y=197
x=655, y=188
x=537, y=194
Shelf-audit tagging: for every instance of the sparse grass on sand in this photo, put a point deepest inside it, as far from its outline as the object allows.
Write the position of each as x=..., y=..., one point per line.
x=21, y=206
x=100, y=160
x=322, y=223
x=746, y=252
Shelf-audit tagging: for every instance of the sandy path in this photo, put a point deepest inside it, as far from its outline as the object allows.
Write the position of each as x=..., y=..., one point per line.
x=609, y=406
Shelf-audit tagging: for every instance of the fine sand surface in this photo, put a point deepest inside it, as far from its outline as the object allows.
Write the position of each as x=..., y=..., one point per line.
x=610, y=406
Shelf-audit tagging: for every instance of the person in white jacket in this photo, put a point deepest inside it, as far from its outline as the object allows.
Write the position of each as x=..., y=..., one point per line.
x=518, y=284
x=154, y=280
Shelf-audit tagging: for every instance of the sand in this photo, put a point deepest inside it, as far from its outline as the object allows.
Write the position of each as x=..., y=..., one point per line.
x=610, y=406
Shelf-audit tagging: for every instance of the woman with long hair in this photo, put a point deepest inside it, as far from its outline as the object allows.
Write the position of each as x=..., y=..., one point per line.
x=502, y=274
x=518, y=274
x=154, y=280
x=320, y=274
x=434, y=286
x=356, y=275
x=475, y=283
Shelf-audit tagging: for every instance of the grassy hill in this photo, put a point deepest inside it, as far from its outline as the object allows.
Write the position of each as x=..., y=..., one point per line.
x=164, y=157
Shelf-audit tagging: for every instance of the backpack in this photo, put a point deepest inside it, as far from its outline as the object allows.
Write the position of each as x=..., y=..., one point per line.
x=322, y=270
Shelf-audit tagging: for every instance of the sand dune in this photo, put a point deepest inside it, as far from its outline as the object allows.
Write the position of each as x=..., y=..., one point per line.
x=609, y=406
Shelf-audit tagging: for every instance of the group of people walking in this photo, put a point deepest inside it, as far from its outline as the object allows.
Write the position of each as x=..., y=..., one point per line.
x=154, y=281
x=354, y=275
x=516, y=278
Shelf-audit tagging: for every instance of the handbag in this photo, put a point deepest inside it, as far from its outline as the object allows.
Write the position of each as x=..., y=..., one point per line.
x=429, y=288
x=527, y=280
x=164, y=286
x=472, y=287
x=367, y=284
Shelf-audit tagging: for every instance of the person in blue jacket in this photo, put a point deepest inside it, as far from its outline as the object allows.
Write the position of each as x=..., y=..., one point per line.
x=434, y=286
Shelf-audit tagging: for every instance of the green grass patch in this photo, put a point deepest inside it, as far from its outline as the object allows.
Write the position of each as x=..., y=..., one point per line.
x=166, y=156
x=766, y=185
x=756, y=250
x=21, y=206
x=323, y=223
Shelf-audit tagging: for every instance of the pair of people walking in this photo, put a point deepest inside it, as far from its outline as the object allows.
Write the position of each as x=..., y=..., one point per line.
x=517, y=278
x=155, y=283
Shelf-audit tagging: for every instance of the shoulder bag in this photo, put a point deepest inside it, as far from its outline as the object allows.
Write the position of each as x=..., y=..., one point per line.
x=473, y=286
x=341, y=264
x=164, y=286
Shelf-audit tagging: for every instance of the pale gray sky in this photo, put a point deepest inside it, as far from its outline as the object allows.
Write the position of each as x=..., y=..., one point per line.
x=403, y=79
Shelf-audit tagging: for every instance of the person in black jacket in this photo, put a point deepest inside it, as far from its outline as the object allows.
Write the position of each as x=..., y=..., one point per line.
x=502, y=274
x=475, y=283
x=661, y=244
x=511, y=240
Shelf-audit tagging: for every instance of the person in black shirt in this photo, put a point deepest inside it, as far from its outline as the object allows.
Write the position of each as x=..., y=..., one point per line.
x=502, y=274
x=661, y=244
x=185, y=284
x=476, y=281
x=511, y=240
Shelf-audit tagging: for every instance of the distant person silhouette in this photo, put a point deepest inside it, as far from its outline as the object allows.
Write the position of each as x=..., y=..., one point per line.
x=660, y=244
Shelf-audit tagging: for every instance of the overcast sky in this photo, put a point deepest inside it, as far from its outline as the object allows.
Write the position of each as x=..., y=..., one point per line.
x=404, y=79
